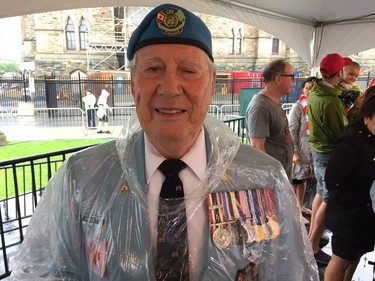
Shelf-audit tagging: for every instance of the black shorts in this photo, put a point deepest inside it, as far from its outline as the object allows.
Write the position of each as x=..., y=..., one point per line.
x=351, y=249
x=295, y=181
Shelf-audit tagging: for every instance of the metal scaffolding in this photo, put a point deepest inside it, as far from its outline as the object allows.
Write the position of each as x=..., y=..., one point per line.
x=107, y=41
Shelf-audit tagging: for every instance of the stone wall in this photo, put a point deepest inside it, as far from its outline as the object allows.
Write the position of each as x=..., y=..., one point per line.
x=44, y=41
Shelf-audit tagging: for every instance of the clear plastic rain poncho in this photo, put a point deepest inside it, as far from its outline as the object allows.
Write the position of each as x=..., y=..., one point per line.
x=92, y=222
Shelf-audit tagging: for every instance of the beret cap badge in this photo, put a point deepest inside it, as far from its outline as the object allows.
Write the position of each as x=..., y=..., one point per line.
x=170, y=24
x=171, y=21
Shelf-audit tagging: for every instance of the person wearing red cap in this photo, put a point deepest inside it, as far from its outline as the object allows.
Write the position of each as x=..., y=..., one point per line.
x=349, y=177
x=327, y=119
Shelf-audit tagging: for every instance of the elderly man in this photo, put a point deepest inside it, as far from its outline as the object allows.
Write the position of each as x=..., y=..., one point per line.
x=176, y=197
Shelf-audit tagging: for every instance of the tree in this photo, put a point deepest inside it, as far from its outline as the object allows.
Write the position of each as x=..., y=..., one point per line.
x=8, y=67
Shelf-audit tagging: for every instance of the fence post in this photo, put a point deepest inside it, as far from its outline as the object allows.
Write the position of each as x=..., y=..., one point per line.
x=232, y=90
x=113, y=95
x=80, y=90
x=24, y=88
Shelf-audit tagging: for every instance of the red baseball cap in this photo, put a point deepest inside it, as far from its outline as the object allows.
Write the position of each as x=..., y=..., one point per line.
x=333, y=63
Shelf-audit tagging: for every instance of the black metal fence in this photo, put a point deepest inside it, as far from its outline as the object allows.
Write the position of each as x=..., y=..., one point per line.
x=22, y=182
x=51, y=92
x=47, y=92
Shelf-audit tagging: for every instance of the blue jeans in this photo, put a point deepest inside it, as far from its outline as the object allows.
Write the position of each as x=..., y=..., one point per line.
x=320, y=165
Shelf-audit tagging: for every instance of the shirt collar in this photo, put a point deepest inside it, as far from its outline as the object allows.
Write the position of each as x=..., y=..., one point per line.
x=195, y=158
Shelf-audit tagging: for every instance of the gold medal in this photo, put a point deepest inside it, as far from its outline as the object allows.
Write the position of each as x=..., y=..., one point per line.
x=221, y=238
x=259, y=233
x=274, y=226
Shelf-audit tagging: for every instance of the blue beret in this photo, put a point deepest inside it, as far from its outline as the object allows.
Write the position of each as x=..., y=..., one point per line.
x=170, y=24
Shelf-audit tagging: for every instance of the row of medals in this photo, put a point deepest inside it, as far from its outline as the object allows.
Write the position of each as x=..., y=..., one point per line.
x=239, y=232
x=244, y=230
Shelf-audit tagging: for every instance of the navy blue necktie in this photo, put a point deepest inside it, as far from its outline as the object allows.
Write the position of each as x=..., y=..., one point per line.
x=172, y=262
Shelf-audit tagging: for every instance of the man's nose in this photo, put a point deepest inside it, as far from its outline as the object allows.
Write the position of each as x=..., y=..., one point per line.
x=170, y=84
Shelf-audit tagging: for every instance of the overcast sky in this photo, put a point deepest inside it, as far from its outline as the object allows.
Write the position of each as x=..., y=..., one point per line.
x=10, y=39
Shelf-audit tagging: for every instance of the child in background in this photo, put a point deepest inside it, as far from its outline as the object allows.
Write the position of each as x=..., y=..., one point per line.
x=350, y=90
x=350, y=75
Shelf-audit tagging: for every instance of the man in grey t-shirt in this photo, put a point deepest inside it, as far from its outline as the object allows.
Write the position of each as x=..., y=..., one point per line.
x=267, y=125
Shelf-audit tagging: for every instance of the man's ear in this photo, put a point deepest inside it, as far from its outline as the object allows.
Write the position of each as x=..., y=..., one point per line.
x=213, y=83
x=276, y=78
x=132, y=85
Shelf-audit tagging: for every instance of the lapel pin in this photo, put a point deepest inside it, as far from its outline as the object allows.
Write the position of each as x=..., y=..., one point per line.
x=224, y=177
x=124, y=188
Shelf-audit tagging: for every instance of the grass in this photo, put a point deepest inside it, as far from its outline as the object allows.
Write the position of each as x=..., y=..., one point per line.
x=17, y=149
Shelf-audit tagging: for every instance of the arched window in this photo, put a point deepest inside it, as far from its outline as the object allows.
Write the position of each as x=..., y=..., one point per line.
x=83, y=38
x=239, y=42
x=70, y=35
x=231, y=42
x=275, y=46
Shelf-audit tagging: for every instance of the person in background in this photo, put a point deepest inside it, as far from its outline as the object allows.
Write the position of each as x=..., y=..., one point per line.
x=99, y=218
x=267, y=125
x=372, y=82
x=349, y=176
x=327, y=120
x=89, y=102
x=102, y=112
x=299, y=130
x=350, y=91
x=350, y=76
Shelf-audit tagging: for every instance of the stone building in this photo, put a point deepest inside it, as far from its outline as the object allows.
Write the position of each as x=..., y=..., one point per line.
x=94, y=40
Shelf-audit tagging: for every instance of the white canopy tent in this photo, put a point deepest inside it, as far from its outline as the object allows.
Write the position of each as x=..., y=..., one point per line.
x=312, y=28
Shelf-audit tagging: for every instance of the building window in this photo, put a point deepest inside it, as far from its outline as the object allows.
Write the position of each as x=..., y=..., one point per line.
x=231, y=42
x=83, y=35
x=70, y=35
x=239, y=42
x=275, y=46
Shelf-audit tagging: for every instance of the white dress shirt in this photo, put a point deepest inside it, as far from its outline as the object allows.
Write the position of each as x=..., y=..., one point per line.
x=193, y=178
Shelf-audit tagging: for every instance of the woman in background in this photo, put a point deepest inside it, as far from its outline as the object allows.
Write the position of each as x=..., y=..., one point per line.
x=349, y=176
x=299, y=130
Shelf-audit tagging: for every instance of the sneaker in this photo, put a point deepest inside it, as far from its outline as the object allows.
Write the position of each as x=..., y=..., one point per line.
x=322, y=259
x=100, y=132
x=107, y=132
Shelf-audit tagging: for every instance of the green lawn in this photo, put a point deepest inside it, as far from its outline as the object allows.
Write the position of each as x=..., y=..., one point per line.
x=17, y=149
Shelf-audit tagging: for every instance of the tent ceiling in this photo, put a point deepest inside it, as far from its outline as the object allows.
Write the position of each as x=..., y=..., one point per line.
x=312, y=28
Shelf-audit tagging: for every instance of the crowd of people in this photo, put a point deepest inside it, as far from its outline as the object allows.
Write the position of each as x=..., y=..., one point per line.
x=333, y=140
x=178, y=197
